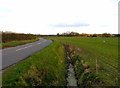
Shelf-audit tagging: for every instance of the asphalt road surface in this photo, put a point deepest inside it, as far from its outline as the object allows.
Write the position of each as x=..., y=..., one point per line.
x=13, y=55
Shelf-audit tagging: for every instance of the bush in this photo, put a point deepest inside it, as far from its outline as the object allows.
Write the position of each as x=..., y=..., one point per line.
x=7, y=37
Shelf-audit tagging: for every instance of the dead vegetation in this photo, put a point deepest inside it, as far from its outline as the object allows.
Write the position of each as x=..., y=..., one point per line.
x=85, y=75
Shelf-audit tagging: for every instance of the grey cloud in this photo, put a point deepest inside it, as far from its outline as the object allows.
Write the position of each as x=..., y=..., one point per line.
x=72, y=25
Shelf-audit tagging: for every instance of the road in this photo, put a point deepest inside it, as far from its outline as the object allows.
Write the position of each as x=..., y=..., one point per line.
x=13, y=55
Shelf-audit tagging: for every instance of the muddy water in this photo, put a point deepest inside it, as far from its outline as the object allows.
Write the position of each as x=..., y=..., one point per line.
x=71, y=76
x=71, y=80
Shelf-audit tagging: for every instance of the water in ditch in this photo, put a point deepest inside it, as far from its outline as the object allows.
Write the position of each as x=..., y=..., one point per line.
x=71, y=76
x=71, y=80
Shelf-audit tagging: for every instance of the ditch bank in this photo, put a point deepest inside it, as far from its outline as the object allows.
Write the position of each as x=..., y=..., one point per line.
x=71, y=79
x=79, y=73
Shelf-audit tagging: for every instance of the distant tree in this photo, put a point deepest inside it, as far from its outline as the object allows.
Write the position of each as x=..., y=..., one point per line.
x=94, y=35
x=106, y=35
x=74, y=34
x=70, y=34
x=116, y=35
x=84, y=34
x=58, y=34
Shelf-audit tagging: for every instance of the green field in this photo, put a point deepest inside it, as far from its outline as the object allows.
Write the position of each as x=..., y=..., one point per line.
x=48, y=67
x=104, y=49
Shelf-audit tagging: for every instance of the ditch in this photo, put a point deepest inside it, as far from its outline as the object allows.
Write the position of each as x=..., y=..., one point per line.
x=79, y=73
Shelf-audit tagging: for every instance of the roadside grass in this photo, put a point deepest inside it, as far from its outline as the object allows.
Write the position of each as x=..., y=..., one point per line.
x=44, y=68
x=98, y=52
x=16, y=43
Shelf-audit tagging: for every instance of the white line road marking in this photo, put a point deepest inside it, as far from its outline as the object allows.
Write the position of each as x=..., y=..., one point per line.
x=24, y=47
x=30, y=46
x=44, y=40
x=41, y=42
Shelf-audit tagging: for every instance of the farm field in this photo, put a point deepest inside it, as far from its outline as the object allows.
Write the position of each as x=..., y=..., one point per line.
x=102, y=49
x=95, y=51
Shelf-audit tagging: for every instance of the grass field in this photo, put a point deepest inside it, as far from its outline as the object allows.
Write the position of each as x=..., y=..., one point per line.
x=47, y=67
x=102, y=49
x=16, y=43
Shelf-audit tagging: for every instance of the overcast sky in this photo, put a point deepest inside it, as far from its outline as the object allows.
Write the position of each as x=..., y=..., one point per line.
x=58, y=16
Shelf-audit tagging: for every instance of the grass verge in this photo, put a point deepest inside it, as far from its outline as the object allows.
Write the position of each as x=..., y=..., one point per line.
x=44, y=68
x=16, y=43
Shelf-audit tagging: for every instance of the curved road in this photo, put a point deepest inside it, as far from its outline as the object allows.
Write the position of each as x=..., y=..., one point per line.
x=13, y=55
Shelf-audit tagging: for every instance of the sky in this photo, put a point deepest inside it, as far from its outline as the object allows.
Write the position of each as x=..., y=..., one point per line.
x=58, y=16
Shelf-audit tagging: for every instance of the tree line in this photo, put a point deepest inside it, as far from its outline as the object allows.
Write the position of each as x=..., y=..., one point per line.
x=75, y=34
x=8, y=36
x=72, y=34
